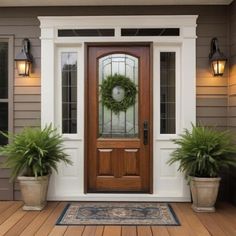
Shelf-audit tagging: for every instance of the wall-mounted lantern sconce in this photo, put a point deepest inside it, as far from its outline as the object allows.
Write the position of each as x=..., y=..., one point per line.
x=217, y=58
x=24, y=59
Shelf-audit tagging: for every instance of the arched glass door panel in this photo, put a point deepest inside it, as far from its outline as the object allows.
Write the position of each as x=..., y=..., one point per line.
x=125, y=123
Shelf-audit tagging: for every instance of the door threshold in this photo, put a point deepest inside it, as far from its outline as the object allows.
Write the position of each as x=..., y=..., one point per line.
x=121, y=197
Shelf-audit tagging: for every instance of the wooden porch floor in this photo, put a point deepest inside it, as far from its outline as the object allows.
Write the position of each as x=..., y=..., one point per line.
x=14, y=221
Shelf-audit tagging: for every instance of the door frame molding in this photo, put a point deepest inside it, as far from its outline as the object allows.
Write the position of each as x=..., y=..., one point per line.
x=68, y=184
x=86, y=87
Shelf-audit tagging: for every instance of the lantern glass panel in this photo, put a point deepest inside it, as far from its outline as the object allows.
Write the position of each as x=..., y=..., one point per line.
x=218, y=67
x=23, y=67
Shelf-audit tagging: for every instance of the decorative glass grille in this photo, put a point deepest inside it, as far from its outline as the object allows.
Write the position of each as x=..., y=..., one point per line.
x=150, y=32
x=124, y=124
x=3, y=70
x=167, y=93
x=86, y=32
x=69, y=92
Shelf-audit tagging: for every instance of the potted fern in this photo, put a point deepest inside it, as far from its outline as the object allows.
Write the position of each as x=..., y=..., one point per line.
x=32, y=155
x=201, y=154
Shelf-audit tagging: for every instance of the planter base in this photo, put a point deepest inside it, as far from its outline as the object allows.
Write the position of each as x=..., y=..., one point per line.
x=34, y=192
x=204, y=193
x=34, y=208
x=203, y=209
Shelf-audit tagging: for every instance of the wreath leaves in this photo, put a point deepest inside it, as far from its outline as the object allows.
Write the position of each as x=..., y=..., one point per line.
x=106, y=93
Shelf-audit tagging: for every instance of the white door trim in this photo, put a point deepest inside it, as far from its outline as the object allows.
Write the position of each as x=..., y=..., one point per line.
x=168, y=184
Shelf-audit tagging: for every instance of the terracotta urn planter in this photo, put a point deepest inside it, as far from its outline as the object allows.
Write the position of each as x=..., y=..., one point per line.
x=204, y=193
x=34, y=192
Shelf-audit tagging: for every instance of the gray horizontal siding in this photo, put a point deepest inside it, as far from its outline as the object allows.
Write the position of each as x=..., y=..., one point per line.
x=29, y=12
x=6, y=189
x=27, y=106
x=209, y=82
x=211, y=101
x=212, y=112
x=22, y=21
x=211, y=92
x=29, y=98
x=34, y=81
x=33, y=90
x=27, y=115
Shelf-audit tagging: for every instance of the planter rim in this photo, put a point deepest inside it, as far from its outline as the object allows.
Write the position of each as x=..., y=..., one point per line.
x=22, y=177
x=205, y=178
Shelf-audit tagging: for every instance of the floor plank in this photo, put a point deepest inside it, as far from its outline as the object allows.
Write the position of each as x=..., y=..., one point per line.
x=99, y=231
x=93, y=231
x=192, y=219
x=112, y=231
x=49, y=224
x=58, y=230
x=11, y=221
x=89, y=230
x=34, y=225
x=224, y=224
x=210, y=224
x=9, y=211
x=129, y=230
x=22, y=223
x=228, y=211
x=144, y=231
x=160, y=231
x=185, y=229
x=74, y=230
x=5, y=205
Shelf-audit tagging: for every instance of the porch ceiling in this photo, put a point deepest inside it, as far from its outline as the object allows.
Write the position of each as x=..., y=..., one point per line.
x=15, y=3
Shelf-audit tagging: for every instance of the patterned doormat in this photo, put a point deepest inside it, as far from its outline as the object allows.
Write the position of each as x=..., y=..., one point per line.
x=118, y=213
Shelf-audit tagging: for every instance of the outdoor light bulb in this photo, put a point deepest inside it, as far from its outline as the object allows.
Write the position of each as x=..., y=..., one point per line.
x=21, y=67
x=219, y=67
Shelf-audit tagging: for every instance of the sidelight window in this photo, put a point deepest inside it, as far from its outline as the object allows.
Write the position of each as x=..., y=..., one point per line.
x=168, y=92
x=69, y=92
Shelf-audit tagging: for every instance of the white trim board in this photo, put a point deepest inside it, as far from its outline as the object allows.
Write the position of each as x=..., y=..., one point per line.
x=168, y=184
x=76, y=22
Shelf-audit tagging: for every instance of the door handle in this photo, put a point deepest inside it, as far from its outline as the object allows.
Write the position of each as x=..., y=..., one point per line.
x=145, y=132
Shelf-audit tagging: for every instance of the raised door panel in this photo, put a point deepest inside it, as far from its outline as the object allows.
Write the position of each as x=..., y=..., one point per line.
x=105, y=162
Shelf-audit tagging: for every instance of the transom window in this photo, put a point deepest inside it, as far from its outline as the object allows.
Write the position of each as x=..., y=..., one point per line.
x=134, y=32
x=85, y=32
x=150, y=32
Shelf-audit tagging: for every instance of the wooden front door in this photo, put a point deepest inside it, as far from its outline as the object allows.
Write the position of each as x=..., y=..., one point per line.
x=118, y=144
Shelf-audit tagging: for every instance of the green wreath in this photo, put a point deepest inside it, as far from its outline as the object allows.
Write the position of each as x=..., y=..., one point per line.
x=126, y=85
